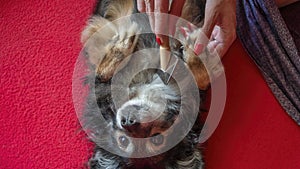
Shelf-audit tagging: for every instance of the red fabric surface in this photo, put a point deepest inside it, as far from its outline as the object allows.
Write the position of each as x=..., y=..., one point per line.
x=38, y=124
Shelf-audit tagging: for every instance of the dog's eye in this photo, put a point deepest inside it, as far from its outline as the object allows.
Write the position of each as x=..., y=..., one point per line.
x=123, y=141
x=157, y=139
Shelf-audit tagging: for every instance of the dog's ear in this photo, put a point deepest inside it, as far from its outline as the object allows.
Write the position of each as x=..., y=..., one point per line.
x=95, y=38
x=94, y=24
x=107, y=42
x=193, y=11
x=114, y=9
x=106, y=11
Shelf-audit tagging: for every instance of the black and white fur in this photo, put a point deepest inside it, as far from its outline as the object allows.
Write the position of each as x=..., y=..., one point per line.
x=145, y=91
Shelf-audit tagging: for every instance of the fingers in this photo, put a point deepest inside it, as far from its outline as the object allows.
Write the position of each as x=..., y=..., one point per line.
x=149, y=9
x=176, y=9
x=164, y=41
x=212, y=13
x=157, y=11
x=209, y=23
x=161, y=8
x=220, y=44
x=210, y=20
x=141, y=5
x=147, y=6
x=222, y=49
x=200, y=43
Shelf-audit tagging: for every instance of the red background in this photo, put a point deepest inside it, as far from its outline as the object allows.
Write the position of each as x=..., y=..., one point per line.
x=38, y=125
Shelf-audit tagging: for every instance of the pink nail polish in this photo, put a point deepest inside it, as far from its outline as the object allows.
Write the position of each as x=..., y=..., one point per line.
x=198, y=48
x=158, y=40
x=183, y=31
x=190, y=26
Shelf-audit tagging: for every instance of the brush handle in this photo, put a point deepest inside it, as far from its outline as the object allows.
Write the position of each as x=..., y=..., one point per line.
x=164, y=57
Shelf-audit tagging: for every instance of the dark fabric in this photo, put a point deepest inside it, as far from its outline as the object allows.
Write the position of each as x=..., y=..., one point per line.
x=291, y=17
x=268, y=41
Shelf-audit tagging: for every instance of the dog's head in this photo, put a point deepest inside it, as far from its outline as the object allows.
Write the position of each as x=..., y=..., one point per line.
x=152, y=108
x=142, y=126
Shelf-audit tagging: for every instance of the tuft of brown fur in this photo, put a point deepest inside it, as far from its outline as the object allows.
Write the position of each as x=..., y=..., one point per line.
x=114, y=10
x=117, y=9
x=108, y=43
x=193, y=12
x=199, y=71
x=205, y=66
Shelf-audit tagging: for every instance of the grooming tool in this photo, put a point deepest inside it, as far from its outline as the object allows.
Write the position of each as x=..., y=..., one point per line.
x=172, y=68
x=165, y=59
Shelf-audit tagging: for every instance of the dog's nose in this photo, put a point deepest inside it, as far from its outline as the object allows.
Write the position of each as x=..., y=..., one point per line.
x=130, y=124
x=127, y=121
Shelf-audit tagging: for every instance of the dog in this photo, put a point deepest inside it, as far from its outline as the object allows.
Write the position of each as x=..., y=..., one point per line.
x=134, y=132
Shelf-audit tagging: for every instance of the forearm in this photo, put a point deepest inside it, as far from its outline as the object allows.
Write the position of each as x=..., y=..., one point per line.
x=282, y=3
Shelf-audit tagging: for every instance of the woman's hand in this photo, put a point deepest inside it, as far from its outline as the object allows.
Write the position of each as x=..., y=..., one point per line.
x=219, y=26
x=219, y=22
x=160, y=23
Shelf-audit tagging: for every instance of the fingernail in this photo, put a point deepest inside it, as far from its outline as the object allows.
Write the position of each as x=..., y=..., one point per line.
x=190, y=26
x=158, y=40
x=183, y=31
x=198, y=48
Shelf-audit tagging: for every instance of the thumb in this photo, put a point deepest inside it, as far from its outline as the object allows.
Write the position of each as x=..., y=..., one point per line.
x=211, y=16
x=206, y=31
